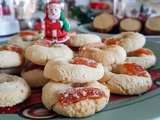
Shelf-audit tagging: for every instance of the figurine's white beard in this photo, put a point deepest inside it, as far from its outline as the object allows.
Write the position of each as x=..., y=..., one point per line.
x=54, y=17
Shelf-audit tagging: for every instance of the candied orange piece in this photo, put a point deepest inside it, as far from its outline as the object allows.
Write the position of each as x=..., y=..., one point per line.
x=92, y=45
x=104, y=39
x=25, y=33
x=141, y=51
x=14, y=48
x=135, y=69
x=85, y=61
x=113, y=41
x=44, y=43
x=74, y=95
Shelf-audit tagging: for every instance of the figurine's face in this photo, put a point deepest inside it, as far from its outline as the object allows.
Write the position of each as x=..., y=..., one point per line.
x=54, y=12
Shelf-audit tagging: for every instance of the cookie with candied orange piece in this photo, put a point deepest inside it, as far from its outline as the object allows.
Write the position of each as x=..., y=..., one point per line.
x=25, y=39
x=143, y=56
x=92, y=46
x=127, y=79
x=112, y=41
x=70, y=101
x=78, y=40
x=107, y=55
x=130, y=41
x=13, y=90
x=77, y=70
x=11, y=56
x=30, y=35
x=43, y=51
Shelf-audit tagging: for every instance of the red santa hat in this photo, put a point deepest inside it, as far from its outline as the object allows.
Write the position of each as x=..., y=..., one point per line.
x=54, y=3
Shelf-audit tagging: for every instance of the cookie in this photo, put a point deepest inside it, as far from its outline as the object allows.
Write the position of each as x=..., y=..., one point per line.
x=77, y=70
x=81, y=101
x=143, y=56
x=107, y=55
x=44, y=51
x=78, y=40
x=13, y=90
x=127, y=79
x=130, y=41
x=104, y=22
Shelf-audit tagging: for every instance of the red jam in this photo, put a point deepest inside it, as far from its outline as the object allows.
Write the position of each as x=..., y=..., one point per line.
x=74, y=95
x=25, y=33
x=85, y=61
x=113, y=41
x=13, y=48
x=44, y=43
x=135, y=69
x=143, y=51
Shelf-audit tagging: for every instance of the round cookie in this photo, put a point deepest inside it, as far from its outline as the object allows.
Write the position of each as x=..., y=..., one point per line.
x=11, y=56
x=107, y=55
x=75, y=102
x=43, y=51
x=77, y=70
x=152, y=26
x=33, y=75
x=104, y=22
x=25, y=39
x=127, y=79
x=13, y=90
x=130, y=41
x=130, y=25
x=143, y=57
x=78, y=40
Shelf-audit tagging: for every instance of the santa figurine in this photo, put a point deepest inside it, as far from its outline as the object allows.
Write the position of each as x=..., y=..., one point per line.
x=56, y=25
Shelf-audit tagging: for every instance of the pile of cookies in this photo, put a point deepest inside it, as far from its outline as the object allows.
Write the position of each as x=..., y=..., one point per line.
x=78, y=76
x=106, y=22
x=74, y=90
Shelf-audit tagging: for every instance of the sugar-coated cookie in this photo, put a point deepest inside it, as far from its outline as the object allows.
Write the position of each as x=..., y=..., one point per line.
x=77, y=70
x=11, y=56
x=13, y=90
x=70, y=101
